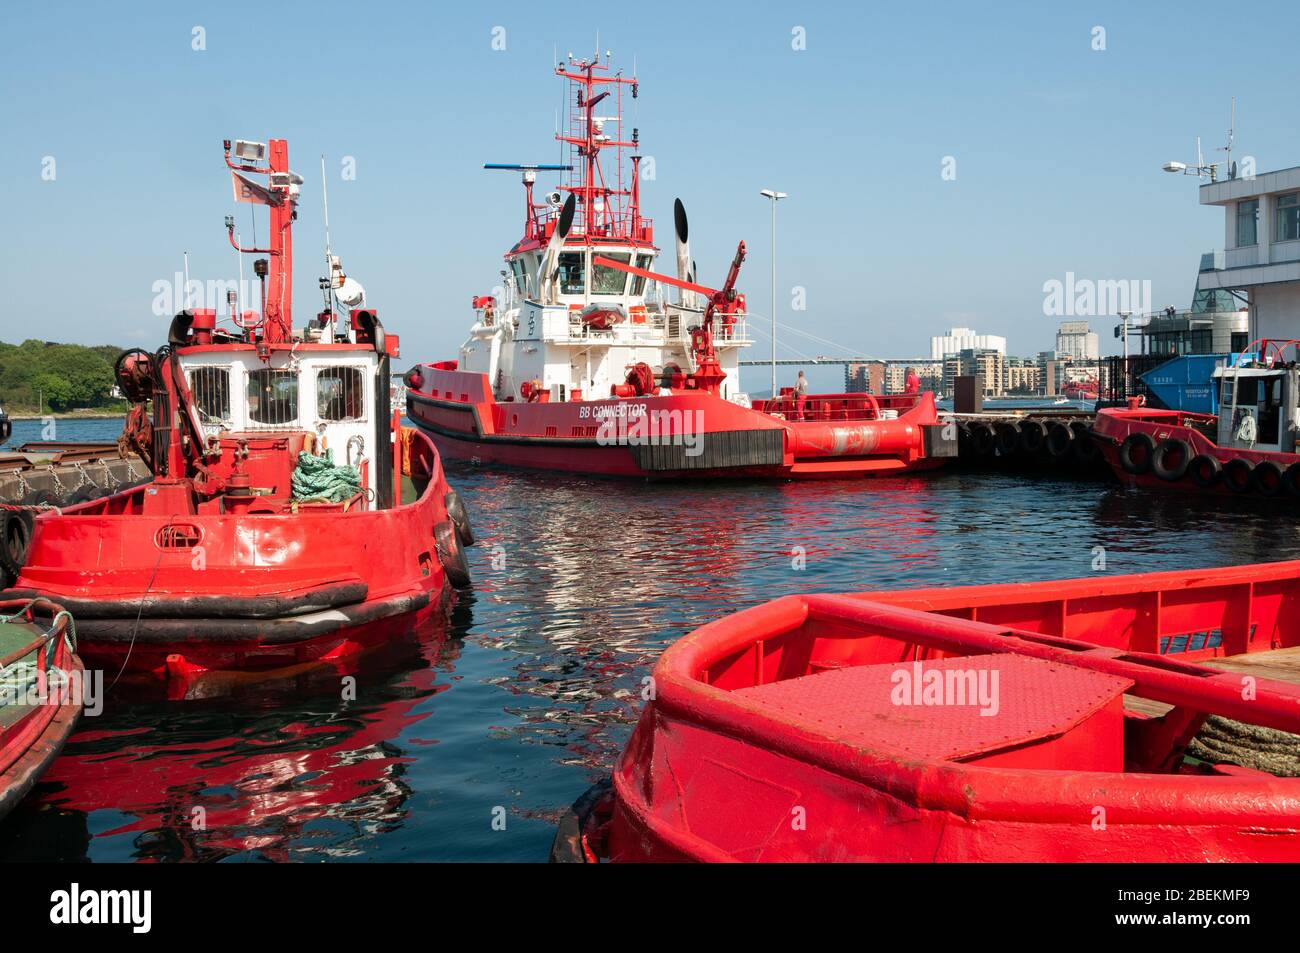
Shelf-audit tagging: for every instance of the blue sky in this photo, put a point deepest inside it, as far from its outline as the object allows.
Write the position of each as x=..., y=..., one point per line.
x=1058, y=150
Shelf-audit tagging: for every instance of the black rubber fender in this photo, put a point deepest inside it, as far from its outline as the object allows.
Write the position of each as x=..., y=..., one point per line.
x=1171, y=459
x=16, y=530
x=451, y=554
x=460, y=516
x=1236, y=475
x=1205, y=470
x=1291, y=479
x=1136, y=453
x=1033, y=437
x=41, y=498
x=1059, y=437
x=1266, y=478
x=1085, y=447
x=1007, y=439
x=982, y=439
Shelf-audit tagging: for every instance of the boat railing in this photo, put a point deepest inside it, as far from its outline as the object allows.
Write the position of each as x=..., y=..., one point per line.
x=832, y=407
x=53, y=649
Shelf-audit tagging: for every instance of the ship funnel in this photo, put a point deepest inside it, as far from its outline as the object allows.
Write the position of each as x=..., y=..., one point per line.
x=684, y=270
x=551, y=260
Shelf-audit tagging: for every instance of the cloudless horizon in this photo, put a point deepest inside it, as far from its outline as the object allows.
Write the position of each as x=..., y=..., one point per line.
x=1057, y=150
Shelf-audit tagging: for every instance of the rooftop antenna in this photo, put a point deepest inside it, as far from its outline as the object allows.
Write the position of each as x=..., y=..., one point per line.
x=185, y=293
x=1232, y=130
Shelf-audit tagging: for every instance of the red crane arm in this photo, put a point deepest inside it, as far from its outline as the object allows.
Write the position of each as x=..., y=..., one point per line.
x=666, y=279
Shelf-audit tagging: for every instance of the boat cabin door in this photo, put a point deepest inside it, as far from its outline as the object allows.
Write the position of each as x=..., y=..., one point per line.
x=1258, y=409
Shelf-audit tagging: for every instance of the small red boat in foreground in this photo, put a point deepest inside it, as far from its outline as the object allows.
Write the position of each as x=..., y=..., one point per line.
x=1248, y=449
x=40, y=692
x=290, y=520
x=1057, y=721
x=578, y=367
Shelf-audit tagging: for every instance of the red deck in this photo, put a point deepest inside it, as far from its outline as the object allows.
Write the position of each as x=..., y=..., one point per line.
x=785, y=732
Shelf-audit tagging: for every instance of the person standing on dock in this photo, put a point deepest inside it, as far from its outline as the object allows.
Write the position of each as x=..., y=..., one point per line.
x=913, y=384
x=800, y=395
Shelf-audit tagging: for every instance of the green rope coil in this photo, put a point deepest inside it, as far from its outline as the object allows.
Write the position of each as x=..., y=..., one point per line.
x=318, y=478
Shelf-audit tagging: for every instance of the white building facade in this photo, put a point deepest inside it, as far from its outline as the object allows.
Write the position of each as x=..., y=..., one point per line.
x=1261, y=256
x=1075, y=339
x=965, y=339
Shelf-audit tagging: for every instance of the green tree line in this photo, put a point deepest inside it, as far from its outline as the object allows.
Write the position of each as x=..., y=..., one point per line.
x=61, y=377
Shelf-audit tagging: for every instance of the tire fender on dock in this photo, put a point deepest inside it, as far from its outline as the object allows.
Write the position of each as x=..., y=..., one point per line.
x=1060, y=436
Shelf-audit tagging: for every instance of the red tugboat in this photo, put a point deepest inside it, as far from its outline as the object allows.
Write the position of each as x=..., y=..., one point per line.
x=1250, y=448
x=1058, y=721
x=577, y=366
x=252, y=548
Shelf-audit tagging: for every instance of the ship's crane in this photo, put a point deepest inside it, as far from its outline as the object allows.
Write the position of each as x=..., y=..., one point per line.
x=708, y=374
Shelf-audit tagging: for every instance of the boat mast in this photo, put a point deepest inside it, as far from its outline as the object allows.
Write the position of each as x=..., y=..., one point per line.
x=607, y=207
x=281, y=196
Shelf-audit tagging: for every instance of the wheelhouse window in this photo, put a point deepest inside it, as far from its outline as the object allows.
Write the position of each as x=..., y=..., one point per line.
x=211, y=389
x=521, y=276
x=573, y=272
x=638, y=281
x=273, y=397
x=340, y=393
x=1288, y=217
x=609, y=281
x=1247, y=223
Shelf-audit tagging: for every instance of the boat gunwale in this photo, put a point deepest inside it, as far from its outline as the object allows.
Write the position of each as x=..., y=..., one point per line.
x=968, y=790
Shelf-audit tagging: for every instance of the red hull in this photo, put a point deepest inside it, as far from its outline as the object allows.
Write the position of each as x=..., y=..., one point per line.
x=774, y=735
x=1114, y=426
x=706, y=436
x=265, y=592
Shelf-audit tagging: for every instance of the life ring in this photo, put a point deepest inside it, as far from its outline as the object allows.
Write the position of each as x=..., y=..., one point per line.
x=451, y=554
x=1205, y=470
x=1136, y=452
x=1171, y=459
x=1291, y=479
x=16, y=528
x=1266, y=478
x=1236, y=475
x=459, y=516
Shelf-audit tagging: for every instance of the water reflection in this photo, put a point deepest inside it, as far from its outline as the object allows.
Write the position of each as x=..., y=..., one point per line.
x=530, y=694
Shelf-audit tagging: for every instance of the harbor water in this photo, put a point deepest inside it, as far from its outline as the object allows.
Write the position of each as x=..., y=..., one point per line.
x=467, y=742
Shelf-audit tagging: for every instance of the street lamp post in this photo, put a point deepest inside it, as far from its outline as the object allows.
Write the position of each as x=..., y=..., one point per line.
x=775, y=197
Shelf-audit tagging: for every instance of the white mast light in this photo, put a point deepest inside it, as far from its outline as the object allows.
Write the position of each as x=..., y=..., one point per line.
x=250, y=151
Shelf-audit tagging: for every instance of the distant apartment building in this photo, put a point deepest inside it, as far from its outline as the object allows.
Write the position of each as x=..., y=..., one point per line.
x=1076, y=340
x=866, y=378
x=890, y=377
x=988, y=364
x=965, y=339
x=1022, y=375
x=930, y=372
